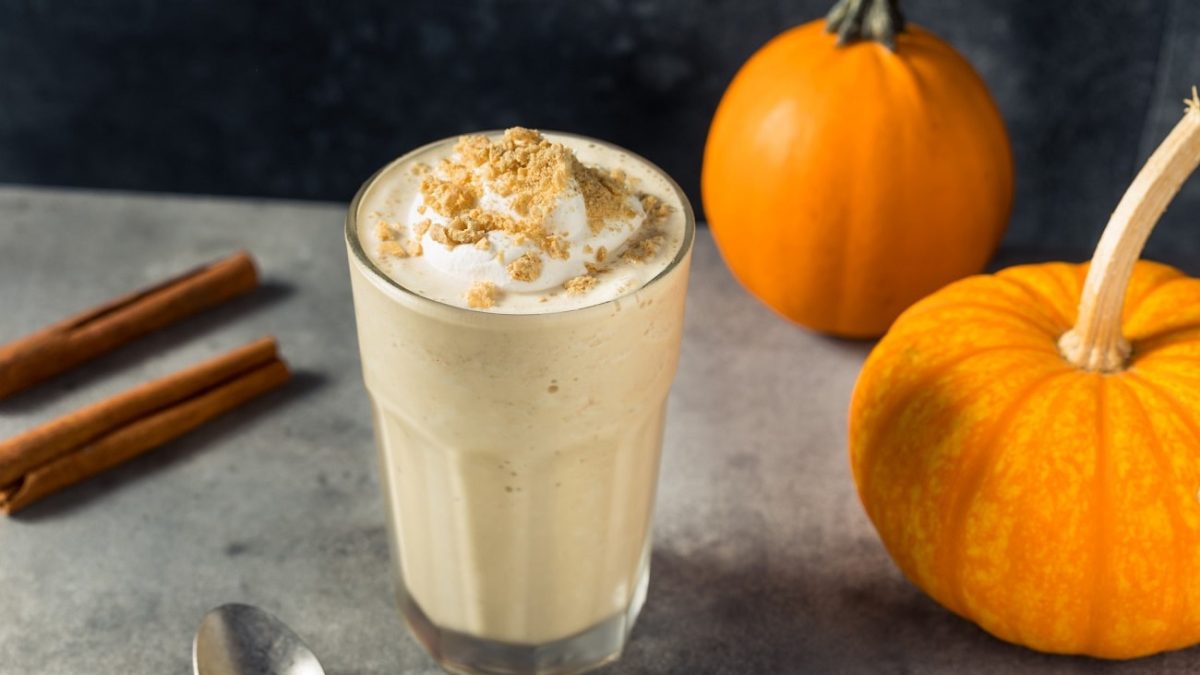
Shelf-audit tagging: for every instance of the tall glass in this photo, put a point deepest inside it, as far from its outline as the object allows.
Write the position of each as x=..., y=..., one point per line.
x=519, y=455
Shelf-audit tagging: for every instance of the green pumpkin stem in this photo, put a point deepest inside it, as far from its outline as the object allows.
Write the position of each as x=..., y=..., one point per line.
x=854, y=20
x=1096, y=342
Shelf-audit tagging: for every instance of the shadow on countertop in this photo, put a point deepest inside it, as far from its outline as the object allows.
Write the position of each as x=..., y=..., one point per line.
x=709, y=617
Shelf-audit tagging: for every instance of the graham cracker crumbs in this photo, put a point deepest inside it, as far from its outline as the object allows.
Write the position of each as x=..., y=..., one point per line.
x=580, y=284
x=438, y=234
x=482, y=295
x=393, y=248
x=557, y=247
x=469, y=227
x=449, y=197
x=533, y=173
x=656, y=209
x=523, y=166
x=604, y=196
x=526, y=268
x=390, y=243
x=643, y=249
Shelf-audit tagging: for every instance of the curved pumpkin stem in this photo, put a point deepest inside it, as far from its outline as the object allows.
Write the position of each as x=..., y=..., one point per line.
x=1095, y=342
x=854, y=20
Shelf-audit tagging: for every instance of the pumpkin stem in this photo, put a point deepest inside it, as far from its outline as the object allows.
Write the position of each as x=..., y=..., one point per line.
x=1095, y=342
x=854, y=20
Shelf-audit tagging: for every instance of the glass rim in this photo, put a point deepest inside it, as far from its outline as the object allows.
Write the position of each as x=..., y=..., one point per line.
x=355, y=243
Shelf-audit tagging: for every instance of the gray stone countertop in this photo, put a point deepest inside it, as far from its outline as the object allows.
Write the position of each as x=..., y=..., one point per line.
x=764, y=561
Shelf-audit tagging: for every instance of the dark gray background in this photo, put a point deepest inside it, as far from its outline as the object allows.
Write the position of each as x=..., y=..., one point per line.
x=305, y=99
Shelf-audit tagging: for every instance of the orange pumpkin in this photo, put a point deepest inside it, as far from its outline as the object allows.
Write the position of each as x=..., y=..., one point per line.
x=1028, y=444
x=843, y=180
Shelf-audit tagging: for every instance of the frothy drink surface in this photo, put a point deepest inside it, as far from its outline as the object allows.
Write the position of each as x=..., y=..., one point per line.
x=520, y=222
x=520, y=442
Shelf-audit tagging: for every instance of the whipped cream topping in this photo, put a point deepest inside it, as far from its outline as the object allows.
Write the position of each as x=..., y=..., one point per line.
x=566, y=219
x=520, y=222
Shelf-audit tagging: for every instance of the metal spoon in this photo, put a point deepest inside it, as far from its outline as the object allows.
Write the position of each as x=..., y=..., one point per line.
x=245, y=640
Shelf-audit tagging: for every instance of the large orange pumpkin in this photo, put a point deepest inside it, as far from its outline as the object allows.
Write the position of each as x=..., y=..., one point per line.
x=1028, y=444
x=843, y=180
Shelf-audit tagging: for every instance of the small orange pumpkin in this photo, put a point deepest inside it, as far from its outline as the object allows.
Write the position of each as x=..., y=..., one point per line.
x=1027, y=444
x=844, y=180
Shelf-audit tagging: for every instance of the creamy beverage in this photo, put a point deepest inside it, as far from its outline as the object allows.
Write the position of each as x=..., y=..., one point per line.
x=519, y=300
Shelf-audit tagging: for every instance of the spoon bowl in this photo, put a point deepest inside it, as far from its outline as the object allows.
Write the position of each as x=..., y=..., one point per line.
x=237, y=639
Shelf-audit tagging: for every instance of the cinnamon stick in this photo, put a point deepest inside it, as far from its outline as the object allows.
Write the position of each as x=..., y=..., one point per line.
x=68, y=343
x=103, y=435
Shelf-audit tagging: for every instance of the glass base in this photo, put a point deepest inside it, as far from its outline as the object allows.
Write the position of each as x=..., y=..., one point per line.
x=468, y=655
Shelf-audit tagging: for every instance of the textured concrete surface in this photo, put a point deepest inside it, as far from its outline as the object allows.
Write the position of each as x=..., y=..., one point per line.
x=763, y=563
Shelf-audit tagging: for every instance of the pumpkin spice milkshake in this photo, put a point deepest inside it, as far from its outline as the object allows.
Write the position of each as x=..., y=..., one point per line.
x=519, y=299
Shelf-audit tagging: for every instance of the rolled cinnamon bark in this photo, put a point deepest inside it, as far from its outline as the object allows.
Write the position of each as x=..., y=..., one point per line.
x=93, y=439
x=68, y=343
